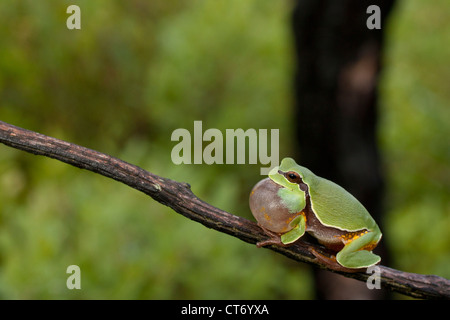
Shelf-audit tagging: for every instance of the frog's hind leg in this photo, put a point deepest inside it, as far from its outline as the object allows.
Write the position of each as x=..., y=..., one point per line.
x=357, y=250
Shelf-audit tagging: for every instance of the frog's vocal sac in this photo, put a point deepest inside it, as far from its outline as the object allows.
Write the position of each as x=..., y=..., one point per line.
x=293, y=200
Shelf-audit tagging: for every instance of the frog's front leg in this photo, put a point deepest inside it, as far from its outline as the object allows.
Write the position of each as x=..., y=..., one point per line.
x=286, y=239
x=274, y=238
x=357, y=249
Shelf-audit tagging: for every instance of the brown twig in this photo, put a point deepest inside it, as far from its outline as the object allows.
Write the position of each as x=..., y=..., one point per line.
x=180, y=198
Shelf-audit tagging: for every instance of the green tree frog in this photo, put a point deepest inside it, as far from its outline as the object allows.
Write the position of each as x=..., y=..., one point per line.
x=293, y=200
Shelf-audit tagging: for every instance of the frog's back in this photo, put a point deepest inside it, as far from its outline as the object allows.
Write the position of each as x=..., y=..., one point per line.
x=336, y=207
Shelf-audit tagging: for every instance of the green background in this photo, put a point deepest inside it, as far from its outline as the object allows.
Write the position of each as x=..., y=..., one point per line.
x=136, y=71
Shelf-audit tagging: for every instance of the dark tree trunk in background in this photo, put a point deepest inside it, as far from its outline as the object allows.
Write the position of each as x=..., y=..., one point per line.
x=336, y=109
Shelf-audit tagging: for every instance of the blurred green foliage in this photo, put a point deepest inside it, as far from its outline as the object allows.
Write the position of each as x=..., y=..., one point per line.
x=414, y=134
x=139, y=69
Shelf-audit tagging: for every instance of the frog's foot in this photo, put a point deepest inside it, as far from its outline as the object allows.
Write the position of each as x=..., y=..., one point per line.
x=332, y=263
x=271, y=241
x=274, y=238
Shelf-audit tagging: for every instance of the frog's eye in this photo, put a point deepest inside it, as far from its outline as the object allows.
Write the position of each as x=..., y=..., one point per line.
x=293, y=177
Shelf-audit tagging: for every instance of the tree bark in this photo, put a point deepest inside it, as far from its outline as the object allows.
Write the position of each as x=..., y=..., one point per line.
x=180, y=198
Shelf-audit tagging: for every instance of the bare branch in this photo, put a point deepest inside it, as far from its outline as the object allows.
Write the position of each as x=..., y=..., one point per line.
x=180, y=198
